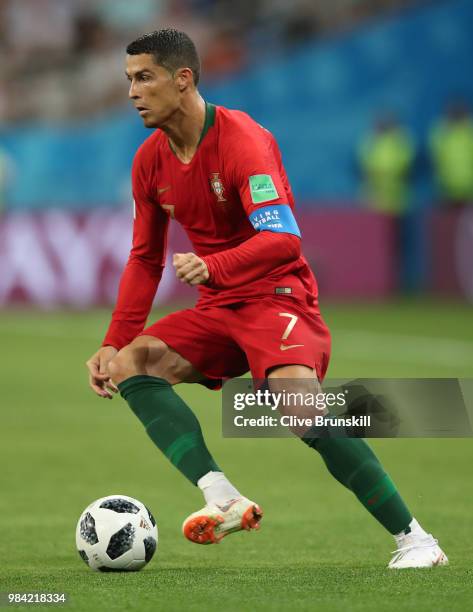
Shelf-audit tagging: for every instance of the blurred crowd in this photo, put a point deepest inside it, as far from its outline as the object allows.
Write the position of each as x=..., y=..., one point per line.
x=388, y=156
x=61, y=59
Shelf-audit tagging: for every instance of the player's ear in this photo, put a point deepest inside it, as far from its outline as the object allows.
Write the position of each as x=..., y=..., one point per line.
x=184, y=78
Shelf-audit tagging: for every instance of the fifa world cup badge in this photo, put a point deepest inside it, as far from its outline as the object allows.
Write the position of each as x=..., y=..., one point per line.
x=217, y=186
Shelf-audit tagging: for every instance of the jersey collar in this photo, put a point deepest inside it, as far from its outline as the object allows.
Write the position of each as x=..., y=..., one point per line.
x=209, y=120
x=210, y=110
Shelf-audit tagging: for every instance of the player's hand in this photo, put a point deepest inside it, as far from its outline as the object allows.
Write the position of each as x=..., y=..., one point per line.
x=99, y=379
x=190, y=269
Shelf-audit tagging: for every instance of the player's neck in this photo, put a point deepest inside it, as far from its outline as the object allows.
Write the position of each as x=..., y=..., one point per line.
x=184, y=128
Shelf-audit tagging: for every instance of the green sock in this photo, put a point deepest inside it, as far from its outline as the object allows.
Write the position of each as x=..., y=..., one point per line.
x=352, y=462
x=170, y=423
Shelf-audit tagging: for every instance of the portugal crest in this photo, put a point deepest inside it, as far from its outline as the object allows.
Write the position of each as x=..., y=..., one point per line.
x=217, y=186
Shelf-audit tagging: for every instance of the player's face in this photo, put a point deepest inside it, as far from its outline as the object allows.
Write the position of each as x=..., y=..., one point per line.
x=153, y=90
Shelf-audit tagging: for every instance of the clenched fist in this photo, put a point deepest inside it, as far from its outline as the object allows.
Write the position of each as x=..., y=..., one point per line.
x=190, y=269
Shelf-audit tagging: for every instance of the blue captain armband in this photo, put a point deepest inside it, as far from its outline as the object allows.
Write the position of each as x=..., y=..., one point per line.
x=276, y=218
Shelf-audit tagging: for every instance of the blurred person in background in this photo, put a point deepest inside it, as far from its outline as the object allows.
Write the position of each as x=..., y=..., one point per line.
x=386, y=158
x=451, y=148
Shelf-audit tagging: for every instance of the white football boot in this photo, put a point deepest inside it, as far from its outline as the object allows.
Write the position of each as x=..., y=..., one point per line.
x=417, y=549
x=215, y=521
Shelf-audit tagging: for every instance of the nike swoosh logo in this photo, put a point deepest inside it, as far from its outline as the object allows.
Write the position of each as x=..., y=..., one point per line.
x=227, y=506
x=284, y=347
x=163, y=189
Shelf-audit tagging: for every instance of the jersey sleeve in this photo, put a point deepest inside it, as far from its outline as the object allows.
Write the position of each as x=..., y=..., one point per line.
x=251, y=260
x=143, y=270
x=255, y=170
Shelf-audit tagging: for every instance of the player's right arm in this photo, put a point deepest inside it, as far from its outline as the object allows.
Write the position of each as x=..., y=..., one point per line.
x=140, y=278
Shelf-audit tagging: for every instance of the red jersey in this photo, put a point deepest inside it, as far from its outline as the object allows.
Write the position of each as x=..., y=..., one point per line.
x=223, y=197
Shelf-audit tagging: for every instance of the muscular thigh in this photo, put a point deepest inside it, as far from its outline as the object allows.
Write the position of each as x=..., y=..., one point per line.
x=160, y=360
x=147, y=355
x=201, y=338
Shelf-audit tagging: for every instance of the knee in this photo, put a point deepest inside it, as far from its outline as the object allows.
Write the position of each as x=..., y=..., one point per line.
x=134, y=359
x=298, y=373
x=299, y=391
x=118, y=365
x=293, y=379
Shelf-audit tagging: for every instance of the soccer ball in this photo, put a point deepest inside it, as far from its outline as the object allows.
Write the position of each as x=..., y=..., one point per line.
x=116, y=533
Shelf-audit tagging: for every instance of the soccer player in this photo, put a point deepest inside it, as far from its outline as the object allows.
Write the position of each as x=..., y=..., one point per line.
x=220, y=175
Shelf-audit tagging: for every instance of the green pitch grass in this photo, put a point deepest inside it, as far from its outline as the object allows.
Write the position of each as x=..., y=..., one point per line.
x=317, y=550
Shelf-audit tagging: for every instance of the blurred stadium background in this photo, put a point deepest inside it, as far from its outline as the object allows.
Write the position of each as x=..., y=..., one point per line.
x=370, y=103
x=361, y=96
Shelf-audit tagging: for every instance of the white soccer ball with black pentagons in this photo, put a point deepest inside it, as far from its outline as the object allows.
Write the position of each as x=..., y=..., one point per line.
x=116, y=533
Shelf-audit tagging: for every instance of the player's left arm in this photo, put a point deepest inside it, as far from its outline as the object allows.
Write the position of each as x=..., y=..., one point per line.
x=257, y=173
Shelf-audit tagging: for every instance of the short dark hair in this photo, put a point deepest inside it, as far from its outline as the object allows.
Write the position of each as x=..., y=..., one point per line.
x=170, y=48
